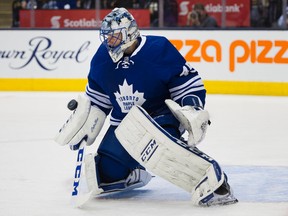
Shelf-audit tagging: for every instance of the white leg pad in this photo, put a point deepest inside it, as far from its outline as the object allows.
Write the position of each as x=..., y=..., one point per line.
x=90, y=173
x=136, y=179
x=168, y=157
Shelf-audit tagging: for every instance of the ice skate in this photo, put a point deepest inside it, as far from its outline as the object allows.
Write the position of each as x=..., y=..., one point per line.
x=222, y=196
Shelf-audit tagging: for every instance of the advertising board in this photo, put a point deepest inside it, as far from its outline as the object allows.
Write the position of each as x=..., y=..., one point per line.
x=74, y=18
x=240, y=62
x=237, y=12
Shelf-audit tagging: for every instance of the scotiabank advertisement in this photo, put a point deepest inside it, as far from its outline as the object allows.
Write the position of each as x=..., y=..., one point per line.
x=237, y=12
x=74, y=18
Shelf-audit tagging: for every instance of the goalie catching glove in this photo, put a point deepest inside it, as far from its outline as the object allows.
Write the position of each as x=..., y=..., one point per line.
x=86, y=123
x=193, y=120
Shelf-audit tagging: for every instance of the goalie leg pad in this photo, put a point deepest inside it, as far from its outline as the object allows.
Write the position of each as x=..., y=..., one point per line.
x=168, y=157
x=91, y=174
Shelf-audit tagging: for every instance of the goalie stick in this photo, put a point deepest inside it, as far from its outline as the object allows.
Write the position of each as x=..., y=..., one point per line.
x=79, y=195
x=78, y=198
x=83, y=134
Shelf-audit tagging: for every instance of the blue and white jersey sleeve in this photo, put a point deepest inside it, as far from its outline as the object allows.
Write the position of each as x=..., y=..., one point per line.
x=187, y=88
x=185, y=85
x=94, y=90
x=98, y=98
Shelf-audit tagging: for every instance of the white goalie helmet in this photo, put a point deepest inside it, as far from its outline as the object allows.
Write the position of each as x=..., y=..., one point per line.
x=118, y=31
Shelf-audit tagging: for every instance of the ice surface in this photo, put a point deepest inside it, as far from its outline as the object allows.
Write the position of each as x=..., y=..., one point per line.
x=248, y=136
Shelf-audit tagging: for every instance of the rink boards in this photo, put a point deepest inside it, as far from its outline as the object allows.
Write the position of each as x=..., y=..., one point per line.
x=230, y=62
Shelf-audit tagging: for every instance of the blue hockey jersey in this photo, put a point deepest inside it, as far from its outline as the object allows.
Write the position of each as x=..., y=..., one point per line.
x=154, y=72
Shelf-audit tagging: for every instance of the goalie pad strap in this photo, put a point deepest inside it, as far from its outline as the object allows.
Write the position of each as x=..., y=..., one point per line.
x=168, y=157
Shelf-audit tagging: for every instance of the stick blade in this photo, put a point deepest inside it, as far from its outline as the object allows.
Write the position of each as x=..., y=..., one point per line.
x=81, y=199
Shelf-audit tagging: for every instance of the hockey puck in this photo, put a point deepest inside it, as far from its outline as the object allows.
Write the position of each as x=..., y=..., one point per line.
x=72, y=105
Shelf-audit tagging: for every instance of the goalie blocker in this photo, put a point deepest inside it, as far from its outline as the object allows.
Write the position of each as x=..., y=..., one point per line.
x=173, y=160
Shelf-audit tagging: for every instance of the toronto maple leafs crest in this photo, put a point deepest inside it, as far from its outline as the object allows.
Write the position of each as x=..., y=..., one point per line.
x=126, y=98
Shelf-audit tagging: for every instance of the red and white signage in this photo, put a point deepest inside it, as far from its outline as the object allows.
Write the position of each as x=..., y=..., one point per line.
x=74, y=18
x=237, y=12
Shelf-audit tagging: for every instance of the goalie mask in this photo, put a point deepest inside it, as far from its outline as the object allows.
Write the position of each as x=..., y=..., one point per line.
x=118, y=31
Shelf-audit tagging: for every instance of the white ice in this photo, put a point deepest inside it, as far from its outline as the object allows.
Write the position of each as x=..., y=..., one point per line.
x=248, y=137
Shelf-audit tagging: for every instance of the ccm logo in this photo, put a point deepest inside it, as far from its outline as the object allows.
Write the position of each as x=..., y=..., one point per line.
x=78, y=172
x=149, y=150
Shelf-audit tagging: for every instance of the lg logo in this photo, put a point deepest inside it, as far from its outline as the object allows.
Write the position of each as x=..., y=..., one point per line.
x=55, y=21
